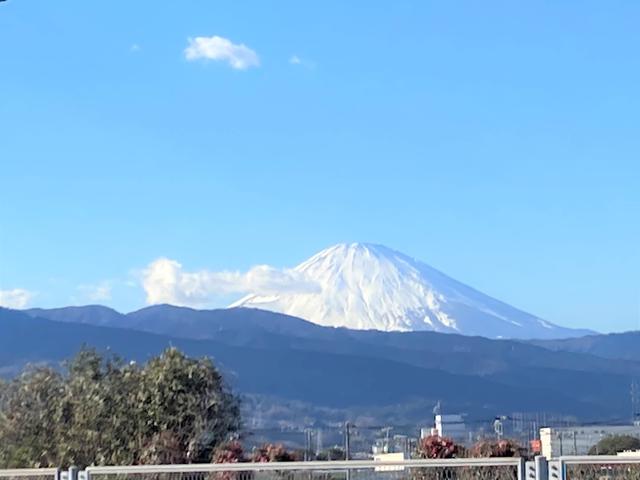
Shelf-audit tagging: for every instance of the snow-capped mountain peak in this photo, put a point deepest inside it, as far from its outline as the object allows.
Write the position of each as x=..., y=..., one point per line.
x=366, y=286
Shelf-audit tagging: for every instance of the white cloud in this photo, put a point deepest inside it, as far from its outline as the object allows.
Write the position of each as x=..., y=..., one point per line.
x=238, y=56
x=302, y=62
x=96, y=293
x=134, y=48
x=15, y=298
x=164, y=281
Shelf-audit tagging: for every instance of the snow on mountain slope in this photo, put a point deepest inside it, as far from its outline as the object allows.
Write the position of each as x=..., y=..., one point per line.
x=364, y=286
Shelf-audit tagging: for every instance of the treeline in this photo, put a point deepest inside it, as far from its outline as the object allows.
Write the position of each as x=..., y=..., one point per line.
x=101, y=410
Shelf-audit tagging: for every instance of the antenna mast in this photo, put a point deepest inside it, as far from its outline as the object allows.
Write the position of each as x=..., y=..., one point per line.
x=635, y=401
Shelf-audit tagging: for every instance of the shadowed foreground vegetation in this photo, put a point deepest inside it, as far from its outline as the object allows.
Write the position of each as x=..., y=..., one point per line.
x=99, y=410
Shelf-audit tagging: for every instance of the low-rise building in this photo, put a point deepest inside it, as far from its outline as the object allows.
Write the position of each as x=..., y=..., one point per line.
x=557, y=442
x=451, y=426
x=629, y=453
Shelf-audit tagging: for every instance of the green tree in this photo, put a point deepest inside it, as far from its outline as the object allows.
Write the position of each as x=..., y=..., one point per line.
x=30, y=418
x=104, y=411
x=615, y=443
x=188, y=397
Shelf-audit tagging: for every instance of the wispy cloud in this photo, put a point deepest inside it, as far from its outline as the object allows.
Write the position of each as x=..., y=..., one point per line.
x=15, y=298
x=96, y=293
x=302, y=62
x=165, y=281
x=135, y=48
x=238, y=56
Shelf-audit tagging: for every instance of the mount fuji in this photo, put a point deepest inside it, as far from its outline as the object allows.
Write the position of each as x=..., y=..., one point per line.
x=372, y=287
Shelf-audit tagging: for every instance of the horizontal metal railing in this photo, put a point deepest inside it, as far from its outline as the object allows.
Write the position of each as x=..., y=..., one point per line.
x=596, y=459
x=596, y=467
x=318, y=465
x=30, y=474
x=445, y=469
x=563, y=468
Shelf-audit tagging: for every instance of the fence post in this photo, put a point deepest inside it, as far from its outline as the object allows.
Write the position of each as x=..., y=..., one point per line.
x=542, y=468
x=530, y=468
x=556, y=470
x=73, y=473
x=521, y=469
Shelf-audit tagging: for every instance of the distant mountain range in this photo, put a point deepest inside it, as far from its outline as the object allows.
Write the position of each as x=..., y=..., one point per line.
x=625, y=346
x=372, y=287
x=393, y=375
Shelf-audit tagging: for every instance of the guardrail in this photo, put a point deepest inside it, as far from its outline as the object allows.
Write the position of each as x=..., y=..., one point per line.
x=316, y=465
x=563, y=468
x=31, y=474
x=595, y=467
x=454, y=469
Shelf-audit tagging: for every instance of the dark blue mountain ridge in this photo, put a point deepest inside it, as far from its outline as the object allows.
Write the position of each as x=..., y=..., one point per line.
x=253, y=327
x=285, y=357
x=322, y=378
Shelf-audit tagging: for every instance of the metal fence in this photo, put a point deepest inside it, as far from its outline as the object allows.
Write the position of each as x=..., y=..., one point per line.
x=564, y=468
x=447, y=469
x=30, y=474
x=596, y=468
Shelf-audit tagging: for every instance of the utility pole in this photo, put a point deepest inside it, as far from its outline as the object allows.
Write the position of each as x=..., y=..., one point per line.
x=307, y=444
x=635, y=402
x=319, y=442
x=347, y=446
x=386, y=439
x=347, y=440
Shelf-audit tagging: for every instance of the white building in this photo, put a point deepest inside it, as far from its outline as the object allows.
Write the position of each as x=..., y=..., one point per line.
x=427, y=432
x=556, y=442
x=389, y=457
x=451, y=426
x=629, y=453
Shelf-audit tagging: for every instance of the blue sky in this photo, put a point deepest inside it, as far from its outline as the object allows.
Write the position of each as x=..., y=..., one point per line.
x=496, y=141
